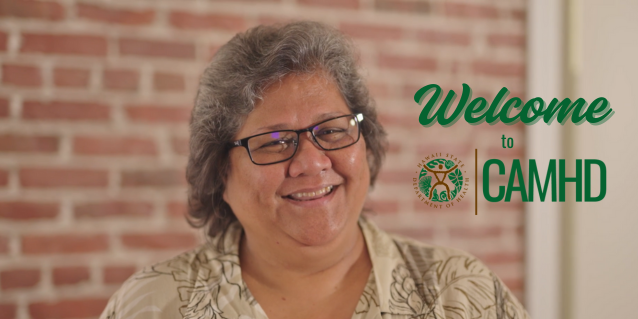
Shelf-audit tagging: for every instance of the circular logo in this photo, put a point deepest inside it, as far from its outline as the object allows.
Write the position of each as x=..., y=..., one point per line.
x=440, y=181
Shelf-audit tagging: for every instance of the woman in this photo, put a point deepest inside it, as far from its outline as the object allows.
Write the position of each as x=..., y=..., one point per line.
x=284, y=146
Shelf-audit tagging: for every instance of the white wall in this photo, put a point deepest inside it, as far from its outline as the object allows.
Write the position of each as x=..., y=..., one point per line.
x=603, y=236
x=545, y=65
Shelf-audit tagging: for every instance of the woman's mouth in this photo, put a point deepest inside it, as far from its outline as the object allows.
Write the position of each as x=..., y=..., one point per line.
x=305, y=196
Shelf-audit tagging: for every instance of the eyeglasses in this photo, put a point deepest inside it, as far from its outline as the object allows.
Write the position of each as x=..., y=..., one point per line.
x=279, y=146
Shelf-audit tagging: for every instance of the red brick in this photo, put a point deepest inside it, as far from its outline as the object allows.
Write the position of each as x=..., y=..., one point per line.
x=113, y=208
x=63, y=177
x=4, y=107
x=462, y=151
x=520, y=231
x=156, y=48
x=153, y=178
x=257, y=1
x=520, y=95
x=466, y=10
x=113, y=146
x=382, y=206
x=118, y=274
x=8, y=310
x=499, y=126
x=409, y=6
x=19, y=278
x=371, y=31
x=177, y=209
x=65, y=110
x=113, y=15
x=515, y=204
x=4, y=177
x=159, y=241
x=121, y=79
x=26, y=143
x=21, y=75
x=187, y=20
x=70, y=275
x=212, y=50
x=394, y=148
x=346, y=4
x=64, y=244
x=46, y=10
x=68, y=308
x=512, y=40
x=180, y=146
x=498, y=69
x=270, y=19
x=158, y=114
x=408, y=90
x=4, y=37
x=4, y=245
x=168, y=82
x=407, y=63
x=418, y=234
x=74, y=44
x=502, y=258
x=403, y=121
x=20, y=210
x=444, y=37
x=379, y=90
x=397, y=176
x=518, y=14
x=516, y=152
x=514, y=284
x=476, y=232
x=71, y=77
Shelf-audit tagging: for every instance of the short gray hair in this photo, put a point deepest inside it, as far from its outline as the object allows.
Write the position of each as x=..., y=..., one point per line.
x=236, y=78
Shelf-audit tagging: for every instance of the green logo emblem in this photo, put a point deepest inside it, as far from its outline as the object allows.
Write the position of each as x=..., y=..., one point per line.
x=440, y=169
x=440, y=180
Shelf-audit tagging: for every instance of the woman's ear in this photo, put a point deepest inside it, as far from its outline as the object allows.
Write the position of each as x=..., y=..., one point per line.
x=224, y=197
x=371, y=166
x=225, y=181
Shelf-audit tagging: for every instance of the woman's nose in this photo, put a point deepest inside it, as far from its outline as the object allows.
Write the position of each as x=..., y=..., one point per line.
x=310, y=159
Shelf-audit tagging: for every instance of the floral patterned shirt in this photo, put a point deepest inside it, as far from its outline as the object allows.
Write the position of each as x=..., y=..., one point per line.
x=409, y=279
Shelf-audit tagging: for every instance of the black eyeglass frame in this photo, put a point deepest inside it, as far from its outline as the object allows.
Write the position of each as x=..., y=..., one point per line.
x=244, y=141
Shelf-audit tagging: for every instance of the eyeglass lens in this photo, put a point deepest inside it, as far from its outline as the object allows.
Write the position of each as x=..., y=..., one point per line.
x=281, y=145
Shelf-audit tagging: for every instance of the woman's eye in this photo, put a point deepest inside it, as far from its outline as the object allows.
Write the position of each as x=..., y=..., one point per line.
x=275, y=146
x=331, y=134
x=329, y=131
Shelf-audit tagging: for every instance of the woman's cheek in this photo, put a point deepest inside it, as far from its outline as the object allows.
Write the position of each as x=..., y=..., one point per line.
x=265, y=185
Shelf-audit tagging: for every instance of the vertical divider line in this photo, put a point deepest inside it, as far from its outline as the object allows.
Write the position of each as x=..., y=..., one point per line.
x=476, y=181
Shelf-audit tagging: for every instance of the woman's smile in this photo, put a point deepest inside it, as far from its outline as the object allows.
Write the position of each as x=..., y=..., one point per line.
x=310, y=194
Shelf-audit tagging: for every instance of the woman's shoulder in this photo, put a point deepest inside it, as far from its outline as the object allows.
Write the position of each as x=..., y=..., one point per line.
x=201, y=263
x=171, y=286
x=414, y=250
x=418, y=253
x=418, y=277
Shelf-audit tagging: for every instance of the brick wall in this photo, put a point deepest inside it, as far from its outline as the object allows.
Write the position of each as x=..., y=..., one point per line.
x=95, y=97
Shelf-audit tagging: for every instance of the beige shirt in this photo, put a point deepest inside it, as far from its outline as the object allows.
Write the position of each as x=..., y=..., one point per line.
x=409, y=279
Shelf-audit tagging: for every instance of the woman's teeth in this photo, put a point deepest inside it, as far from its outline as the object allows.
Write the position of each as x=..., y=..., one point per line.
x=302, y=196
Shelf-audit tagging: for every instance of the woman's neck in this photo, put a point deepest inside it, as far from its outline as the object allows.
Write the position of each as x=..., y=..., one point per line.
x=283, y=263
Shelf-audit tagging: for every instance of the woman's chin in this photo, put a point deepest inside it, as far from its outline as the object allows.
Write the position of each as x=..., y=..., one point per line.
x=315, y=230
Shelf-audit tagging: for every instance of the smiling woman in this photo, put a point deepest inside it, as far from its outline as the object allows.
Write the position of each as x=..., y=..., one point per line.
x=285, y=144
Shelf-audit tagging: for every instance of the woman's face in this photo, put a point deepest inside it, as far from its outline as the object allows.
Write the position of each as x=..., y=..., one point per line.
x=265, y=198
